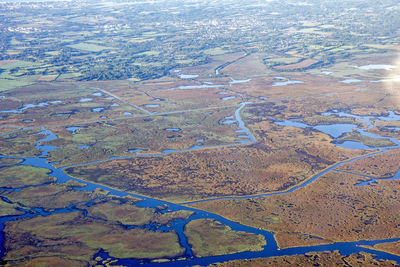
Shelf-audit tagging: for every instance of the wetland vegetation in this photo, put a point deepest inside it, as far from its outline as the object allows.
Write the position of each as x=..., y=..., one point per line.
x=184, y=133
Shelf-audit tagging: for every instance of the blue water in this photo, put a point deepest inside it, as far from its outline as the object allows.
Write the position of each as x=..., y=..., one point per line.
x=271, y=249
x=188, y=76
x=73, y=129
x=391, y=117
x=239, y=81
x=351, y=81
x=26, y=106
x=228, y=97
x=376, y=67
x=97, y=109
x=173, y=129
x=371, y=180
x=292, y=124
x=353, y=145
x=85, y=99
x=151, y=105
x=394, y=128
x=189, y=87
x=287, y=82
x=229, y=122
x=335, y=130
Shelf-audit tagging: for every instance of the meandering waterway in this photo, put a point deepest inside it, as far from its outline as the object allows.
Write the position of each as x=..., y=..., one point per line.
x=271, y=249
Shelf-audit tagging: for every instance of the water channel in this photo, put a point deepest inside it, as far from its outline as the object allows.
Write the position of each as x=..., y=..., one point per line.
x=271, y=249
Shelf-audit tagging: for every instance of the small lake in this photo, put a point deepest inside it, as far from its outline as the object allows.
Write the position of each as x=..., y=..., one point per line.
x=26, y=106
x=352, y=145
x=73, y=129
x=85, y=99
x=97, y=109
x=188, y=76
x=228, y=122
x=391, y=80
x=173, y=129
x=188, y=87
x=376, y=67
x=239, y=81
x=287, y=82
x=391, y=117
x=228, y=97
x=334, y=130
x=326, y=72
x=351, y=81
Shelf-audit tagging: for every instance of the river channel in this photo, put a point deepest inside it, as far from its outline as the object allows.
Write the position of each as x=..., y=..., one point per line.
x=271, y=249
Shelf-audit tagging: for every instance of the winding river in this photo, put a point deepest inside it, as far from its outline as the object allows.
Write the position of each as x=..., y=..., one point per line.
x=271, y=249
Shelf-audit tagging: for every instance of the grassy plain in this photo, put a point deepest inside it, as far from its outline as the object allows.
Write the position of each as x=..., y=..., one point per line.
x=20, y=143
x=71, y=236
x=312, y=259
x=210, y=238
x=277, y=161
x=20, y=176
x=5, y=162
x=327, y=120
x=59, y=103
x=369, y=141
x=52, y=196
x=6, y=84
x=390, y=247
x=174, y=94
x=152, y=134
x=9, y=209
x=300, y=65
x=305, y=217
x=126, y=212
x=97, y=67
x=378, y=166
x=89, y=47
